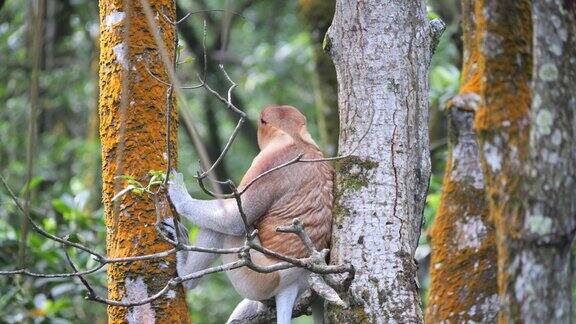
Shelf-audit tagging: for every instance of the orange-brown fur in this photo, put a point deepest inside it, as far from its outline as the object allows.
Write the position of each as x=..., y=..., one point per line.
x=311, y=197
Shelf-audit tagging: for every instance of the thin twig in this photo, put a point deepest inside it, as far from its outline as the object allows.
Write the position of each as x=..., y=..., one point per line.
x=192, y=87
x=189, y=14
x=91, y=292
x=51, y=275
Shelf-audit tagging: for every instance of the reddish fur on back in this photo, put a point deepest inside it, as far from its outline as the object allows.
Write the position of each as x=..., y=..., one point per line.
x=311, y=202
x=309, y=193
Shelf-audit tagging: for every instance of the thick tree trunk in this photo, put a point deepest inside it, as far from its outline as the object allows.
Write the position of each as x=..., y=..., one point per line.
x=381, y=51
x=527, y=141
x=463, y=267
x=133, y=129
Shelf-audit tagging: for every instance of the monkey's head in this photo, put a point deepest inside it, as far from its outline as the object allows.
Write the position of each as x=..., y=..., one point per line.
x=278, y=121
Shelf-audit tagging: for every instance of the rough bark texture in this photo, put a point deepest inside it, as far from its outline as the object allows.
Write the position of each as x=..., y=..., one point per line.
x=527, y=141
x=132, y=129
x=317, y=14
x=381, y=51
x=463, y=266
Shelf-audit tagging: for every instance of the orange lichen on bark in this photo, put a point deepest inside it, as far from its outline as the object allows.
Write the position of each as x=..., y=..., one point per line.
x=473, y=63
x=502, y=117
x=505, y=56
x=502, y=123
x=132, y=110
x=463, y=263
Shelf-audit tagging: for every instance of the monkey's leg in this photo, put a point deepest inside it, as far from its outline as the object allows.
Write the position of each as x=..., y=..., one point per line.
x=190, y=261
x=245, y=310
x=317, y=309
x=285, y=302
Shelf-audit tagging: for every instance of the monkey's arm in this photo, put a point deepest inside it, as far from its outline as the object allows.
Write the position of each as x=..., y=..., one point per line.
x=222, y=215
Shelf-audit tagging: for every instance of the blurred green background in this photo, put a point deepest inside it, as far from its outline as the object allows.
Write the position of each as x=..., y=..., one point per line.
x=271, y=54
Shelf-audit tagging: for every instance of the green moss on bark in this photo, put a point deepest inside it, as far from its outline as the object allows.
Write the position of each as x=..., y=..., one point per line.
x=354, y=172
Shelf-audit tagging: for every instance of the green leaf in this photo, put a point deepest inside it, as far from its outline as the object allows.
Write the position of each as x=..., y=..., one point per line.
x=187, y=60
x=33, y=183
x=60, y=206
x=75, y=238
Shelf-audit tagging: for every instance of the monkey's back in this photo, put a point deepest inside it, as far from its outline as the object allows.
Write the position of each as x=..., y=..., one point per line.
x=308, y=197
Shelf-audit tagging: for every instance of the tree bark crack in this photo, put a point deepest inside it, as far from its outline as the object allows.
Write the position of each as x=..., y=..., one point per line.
x=395, y=172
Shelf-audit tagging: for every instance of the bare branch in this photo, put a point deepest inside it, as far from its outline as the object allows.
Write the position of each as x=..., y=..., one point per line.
x=192, y=87
x=169, y=285
x=28, y=273
x=80, y=276
x=298, y=229
x=231, y=107
x=263, y=174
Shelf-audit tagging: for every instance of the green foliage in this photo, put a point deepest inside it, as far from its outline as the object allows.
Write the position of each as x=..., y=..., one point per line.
x=433, y=199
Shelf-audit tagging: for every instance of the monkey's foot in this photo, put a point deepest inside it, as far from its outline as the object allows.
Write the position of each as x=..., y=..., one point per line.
x=168, y=229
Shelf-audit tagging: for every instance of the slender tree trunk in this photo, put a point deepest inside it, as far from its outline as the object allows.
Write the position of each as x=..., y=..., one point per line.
x=527, y=142
x=92, y=173
x=317, y=14
x=463, y=267
x=36, y=55
x=381, y=51
x=133, y=130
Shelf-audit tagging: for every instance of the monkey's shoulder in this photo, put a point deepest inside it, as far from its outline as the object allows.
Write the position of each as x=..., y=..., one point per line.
x=276, y=157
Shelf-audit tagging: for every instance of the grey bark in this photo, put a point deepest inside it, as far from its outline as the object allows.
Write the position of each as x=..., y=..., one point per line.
x=540, y=272
x=381, y=51
x=530, y=156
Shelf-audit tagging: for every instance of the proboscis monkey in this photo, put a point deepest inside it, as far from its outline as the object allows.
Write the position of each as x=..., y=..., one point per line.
x=302, y=190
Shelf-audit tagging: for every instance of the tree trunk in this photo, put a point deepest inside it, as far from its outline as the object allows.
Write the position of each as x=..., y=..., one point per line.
x=527, y=141
x=133, y=129
x=381, y=51
x=463, y=267
x=317, y=14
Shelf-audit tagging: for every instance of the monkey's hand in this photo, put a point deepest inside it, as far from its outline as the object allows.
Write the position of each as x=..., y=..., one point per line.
x=177, y=191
